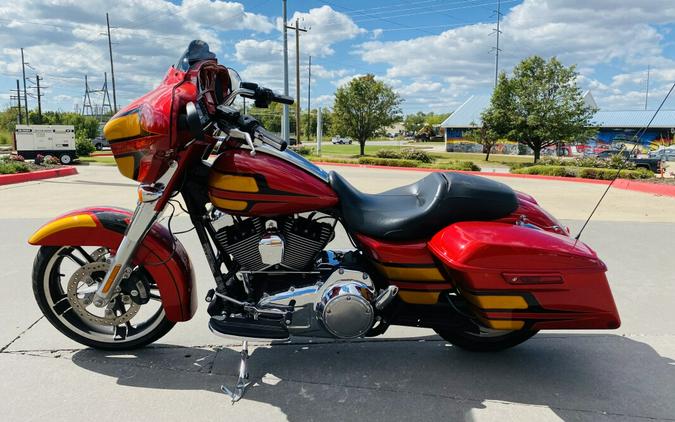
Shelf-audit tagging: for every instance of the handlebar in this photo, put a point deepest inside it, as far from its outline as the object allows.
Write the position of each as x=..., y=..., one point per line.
x=231, y=117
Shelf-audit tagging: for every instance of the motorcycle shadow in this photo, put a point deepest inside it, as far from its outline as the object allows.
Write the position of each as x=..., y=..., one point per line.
x=570, y=376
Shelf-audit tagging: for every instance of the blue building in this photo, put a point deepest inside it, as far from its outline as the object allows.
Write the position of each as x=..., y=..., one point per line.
x=614, y=126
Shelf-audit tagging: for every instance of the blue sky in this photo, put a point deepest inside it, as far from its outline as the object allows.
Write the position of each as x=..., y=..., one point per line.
x=435, y=53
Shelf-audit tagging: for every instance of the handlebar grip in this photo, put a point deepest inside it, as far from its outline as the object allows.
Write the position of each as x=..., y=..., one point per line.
x=271, y=139
x=283, y=99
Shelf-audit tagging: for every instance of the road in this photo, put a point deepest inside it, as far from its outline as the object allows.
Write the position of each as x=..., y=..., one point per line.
x=408, y=374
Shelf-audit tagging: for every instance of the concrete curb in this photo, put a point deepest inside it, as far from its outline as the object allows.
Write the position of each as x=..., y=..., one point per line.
x=7, y=179
x=626, y=184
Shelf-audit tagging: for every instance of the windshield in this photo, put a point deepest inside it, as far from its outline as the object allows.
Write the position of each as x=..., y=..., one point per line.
x=197, y=51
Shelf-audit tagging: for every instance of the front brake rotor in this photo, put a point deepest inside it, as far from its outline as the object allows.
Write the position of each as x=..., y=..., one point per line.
x=85, y=279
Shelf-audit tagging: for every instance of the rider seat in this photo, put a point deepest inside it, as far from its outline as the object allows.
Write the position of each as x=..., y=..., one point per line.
x=419, y=210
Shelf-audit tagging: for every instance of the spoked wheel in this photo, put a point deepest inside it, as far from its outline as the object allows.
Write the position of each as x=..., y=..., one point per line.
x=483, y=339
x=65, y=279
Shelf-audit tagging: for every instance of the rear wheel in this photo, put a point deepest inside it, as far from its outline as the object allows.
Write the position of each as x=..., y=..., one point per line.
x=65, y=279
x=484, y=339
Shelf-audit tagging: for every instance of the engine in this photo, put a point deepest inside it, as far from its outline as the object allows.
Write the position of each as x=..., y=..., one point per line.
x=309, y=291
x=290, y=243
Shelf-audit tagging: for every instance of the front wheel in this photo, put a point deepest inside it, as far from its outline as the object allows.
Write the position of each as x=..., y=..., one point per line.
x=484, y=339
x=65, y=279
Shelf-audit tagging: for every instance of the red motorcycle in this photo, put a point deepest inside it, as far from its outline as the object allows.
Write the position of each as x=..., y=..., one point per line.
x=482, y=265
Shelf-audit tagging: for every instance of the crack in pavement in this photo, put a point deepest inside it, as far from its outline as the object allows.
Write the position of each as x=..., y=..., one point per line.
x=378, y=389
x=2, y=350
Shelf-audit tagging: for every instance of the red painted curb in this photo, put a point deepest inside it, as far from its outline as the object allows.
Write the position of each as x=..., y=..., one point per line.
x=626, y=184
x=7, y=179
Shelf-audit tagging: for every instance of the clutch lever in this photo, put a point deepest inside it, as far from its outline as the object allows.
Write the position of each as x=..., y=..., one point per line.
x=240, y=134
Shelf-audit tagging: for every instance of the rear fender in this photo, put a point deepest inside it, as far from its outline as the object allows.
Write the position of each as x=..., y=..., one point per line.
x=163, y=256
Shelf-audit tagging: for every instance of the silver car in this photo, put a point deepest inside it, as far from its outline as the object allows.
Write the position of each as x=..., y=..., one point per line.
x=665, y=154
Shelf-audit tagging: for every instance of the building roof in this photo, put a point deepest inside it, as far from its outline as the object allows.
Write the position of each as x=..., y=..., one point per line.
x=665, y=119
x=468, y=114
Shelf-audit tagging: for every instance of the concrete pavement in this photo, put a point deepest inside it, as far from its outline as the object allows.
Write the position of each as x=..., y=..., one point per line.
x=408, y=374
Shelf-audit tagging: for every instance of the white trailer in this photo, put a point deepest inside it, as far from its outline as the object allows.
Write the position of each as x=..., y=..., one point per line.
x=55, y=140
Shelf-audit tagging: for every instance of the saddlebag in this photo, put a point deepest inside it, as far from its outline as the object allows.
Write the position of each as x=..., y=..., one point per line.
x=517, y=277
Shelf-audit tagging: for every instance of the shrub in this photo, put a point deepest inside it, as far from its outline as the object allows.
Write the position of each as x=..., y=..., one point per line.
x=4, y=139
x=458, y=165
x=388, y=162
x=16, y=157
x=50, y=159
x=545, y=170
x=303, y=150
x=13, y=167
x=84, y=147
x=388, y=153
x=416, y=154
x=405, y=154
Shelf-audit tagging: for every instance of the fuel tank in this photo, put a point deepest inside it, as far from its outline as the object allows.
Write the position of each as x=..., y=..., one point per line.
x=268, y=183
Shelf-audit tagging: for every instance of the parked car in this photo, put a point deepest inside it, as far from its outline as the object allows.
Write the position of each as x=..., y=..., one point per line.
x=100, y=142
x=653, y=164
x=665, y=154
x=340, y=140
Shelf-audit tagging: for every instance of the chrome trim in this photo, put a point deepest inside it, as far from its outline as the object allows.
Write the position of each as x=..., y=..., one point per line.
x=143, y=218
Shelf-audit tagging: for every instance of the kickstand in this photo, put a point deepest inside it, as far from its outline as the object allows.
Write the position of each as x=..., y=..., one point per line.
x=242, y=382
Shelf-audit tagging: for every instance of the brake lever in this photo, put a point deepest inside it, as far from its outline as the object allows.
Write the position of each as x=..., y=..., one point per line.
x=240, y=134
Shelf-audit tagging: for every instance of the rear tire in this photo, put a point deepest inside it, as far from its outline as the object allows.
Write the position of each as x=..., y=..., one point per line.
x=477, y=342
x=47, y=290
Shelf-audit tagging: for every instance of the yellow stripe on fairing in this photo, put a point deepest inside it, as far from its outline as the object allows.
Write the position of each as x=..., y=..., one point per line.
x=419, y=298
x=123, y=127
x=232, y=182
x=496, y=301
x=410, y=273
x=126, y=166
x=229, y=204
x=65, y=223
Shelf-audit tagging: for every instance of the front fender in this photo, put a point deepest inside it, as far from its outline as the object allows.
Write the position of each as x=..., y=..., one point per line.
x=162, y=255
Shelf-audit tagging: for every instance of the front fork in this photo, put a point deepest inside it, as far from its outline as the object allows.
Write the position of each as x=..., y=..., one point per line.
x=144, y=217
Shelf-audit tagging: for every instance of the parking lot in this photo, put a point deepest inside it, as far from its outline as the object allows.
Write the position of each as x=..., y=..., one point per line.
x=407, y=374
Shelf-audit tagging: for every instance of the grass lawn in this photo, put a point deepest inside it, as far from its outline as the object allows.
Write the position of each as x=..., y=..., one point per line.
x=5, y=137
x=108, y=161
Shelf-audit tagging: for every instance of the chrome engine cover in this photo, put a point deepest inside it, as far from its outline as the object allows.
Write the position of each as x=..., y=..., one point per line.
x=340, y=307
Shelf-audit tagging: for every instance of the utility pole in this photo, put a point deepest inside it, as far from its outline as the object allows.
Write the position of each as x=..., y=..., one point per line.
x=309, y=98
x=25, y=98
x=319, y=130
x=112, y=70
x=18, y=98
x=497, y=49
x=284, y=118
x=647, y=93
x=39, y=96
x=297, y=76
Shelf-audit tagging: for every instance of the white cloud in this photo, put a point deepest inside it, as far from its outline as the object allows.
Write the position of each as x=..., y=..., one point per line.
x=584, y=32
x=327, y=27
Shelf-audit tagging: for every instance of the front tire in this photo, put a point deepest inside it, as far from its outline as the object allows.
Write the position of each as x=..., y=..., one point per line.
x=51, y=265
x=484, y=340
x=66, y=159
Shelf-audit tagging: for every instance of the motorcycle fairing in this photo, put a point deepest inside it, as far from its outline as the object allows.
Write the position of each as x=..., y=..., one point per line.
x=517, y=276
x=164, y=257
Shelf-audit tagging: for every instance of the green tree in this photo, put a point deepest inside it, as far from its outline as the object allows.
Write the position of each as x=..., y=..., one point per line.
x=484, y=136
x=540, y=105
x=363, y=107
x=414, y=122
x=436, y=119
